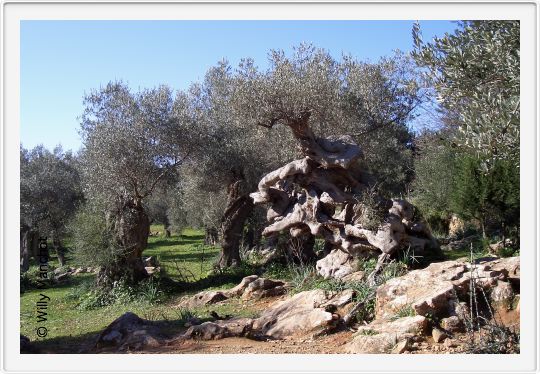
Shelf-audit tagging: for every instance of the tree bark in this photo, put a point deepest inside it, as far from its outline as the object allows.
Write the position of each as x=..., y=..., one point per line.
x=232, y=225
x=132, y=228
x=25, y=250
x=60, y=251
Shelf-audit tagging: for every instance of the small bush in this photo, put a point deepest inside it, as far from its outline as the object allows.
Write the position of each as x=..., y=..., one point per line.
x=93, y=240
x=122, y=292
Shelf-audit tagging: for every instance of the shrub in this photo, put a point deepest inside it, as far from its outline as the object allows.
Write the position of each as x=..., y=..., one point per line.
x=93, y=240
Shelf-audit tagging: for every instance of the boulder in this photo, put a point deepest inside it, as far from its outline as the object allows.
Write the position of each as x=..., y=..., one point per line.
x=255, y=287
x=308, y=311
x=402, y=346
x=263, y=287
x=201, y=299
x=241, y=287
x=337, y=264
x=220, y=329
x=129, y=332
x=502, y=293
x=381, y=336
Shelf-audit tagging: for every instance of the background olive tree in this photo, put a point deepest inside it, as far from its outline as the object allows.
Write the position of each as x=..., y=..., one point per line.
x=50, y=194
x=474, y=75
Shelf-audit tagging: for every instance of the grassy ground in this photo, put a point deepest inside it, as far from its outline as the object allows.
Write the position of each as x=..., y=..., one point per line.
x=70, y=327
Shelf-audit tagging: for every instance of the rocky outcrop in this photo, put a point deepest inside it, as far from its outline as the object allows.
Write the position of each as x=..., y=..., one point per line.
x=129, y=332
x=440, y=291
x=448, y=282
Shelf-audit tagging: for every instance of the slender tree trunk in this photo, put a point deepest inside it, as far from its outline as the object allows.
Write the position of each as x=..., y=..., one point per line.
x=210, y=236
x=25, y=250
x=33, y=244
x=60, y=251
x=232, y=227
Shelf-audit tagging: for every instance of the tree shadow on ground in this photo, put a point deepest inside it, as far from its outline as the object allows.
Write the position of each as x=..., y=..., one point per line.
x=65, y=344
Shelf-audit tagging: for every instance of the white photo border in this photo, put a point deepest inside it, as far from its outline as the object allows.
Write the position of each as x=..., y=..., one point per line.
x=15, y=11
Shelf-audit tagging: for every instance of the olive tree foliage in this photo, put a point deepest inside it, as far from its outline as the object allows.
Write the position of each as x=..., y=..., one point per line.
x=214, y=187
x=435, y=166
x=475, y=73
x=372, y=102
x=131, y=143
x=50, y=194
x=341, y=97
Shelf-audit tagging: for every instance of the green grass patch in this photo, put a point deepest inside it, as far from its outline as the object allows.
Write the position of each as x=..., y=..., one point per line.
x=76, y=314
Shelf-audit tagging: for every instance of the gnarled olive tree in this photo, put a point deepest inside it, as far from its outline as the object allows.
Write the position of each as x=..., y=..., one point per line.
x=320, y=194
x=132, y=141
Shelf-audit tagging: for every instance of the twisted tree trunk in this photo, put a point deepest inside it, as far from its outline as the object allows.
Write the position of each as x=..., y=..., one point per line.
x=232, y=226
x=322, y=195
x=131, y=229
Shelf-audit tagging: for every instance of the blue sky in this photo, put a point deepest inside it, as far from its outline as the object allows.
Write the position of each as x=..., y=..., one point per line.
x=61, y=60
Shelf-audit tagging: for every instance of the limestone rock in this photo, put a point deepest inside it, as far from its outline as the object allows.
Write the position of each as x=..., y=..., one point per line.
x=438, y=335
x=304, y=312
x=446, y=280
x=241, y=287
x=402, y=346
x=502, y=293
x=263, y=287
x=357, y=276
x=255, y=287
x=381, y=336
x=201, y=299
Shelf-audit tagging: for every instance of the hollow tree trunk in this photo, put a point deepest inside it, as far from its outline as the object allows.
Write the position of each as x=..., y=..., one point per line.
x=132, y=228
x=232, y=227
x=300, y=248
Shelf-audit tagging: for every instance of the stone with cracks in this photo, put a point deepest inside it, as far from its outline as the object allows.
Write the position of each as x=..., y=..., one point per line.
x=201, y=299
x=305, y=312
x=381, y=336
x=321, y=195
